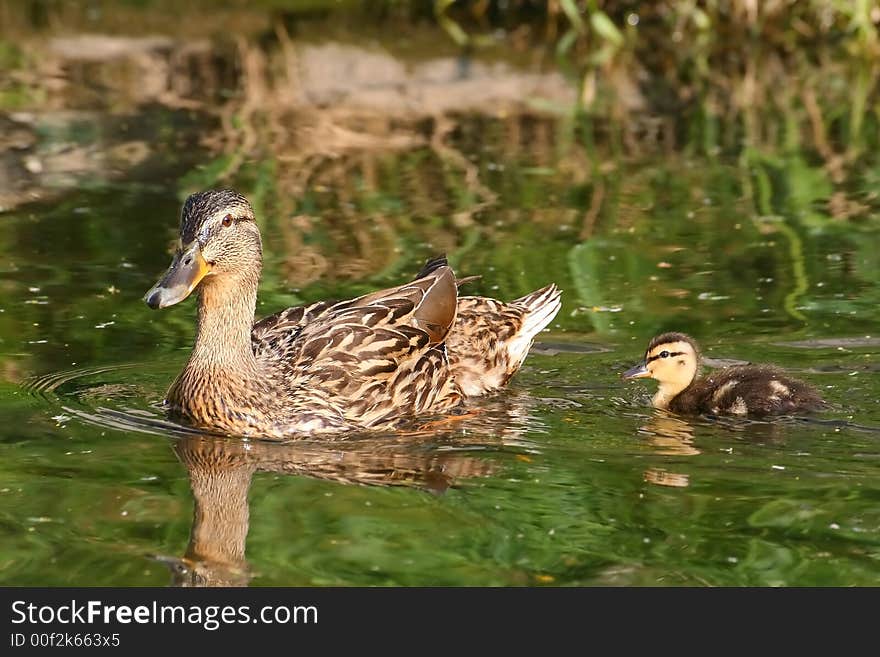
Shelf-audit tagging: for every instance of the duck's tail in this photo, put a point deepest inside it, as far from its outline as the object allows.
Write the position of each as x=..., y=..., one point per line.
x=541, y=307
x=491, y=339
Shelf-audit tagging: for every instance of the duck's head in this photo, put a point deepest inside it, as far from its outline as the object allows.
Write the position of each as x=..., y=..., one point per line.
x=219, y=241
x=672, y=359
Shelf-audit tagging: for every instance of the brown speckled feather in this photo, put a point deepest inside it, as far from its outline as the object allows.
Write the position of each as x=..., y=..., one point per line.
x=391, y=353
x=747, y=390
x=492, y=338
x=364, y=363
x=276, y=333
x=379, y=357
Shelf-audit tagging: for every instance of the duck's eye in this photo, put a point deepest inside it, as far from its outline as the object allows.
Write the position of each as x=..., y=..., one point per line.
x=664, y=354
x=227, y=221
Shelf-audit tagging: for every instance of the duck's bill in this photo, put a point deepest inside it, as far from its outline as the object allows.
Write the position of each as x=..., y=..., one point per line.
x=640, y=371
x=185, y=273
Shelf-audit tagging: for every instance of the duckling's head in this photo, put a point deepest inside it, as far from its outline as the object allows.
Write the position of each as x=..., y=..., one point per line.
x=219, y=241
x=673, y=359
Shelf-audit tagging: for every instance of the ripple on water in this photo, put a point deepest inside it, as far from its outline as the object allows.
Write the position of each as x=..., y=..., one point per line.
x=106, y=397
x=77, y=394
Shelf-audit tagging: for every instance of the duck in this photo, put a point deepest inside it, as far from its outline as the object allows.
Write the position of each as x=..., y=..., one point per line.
x=674, y=360
x=368, y=363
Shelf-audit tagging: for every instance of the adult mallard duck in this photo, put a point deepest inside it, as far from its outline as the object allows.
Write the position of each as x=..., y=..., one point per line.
x=365, y=363
x=674, y=360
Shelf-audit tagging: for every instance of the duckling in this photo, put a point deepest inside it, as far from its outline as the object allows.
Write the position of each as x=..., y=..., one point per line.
x=674, y=360
x=364, y=363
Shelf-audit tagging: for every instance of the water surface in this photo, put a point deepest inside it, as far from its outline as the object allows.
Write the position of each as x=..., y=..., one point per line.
x=569, y=477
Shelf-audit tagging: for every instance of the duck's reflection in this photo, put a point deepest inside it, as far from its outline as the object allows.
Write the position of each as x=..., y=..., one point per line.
x=220, y=473
x=662, y=477
x=221, y=470
x=670, y=436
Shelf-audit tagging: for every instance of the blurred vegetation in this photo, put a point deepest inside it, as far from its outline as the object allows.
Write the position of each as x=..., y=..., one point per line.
x=736, y=138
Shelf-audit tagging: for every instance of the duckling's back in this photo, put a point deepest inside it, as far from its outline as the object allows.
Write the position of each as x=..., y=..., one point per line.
x=757, y=390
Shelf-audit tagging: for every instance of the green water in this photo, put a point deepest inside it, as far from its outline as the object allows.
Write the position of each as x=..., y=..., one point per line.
x=567, y=478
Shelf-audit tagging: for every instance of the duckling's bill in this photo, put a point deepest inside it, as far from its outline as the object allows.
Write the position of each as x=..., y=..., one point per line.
x=187, y=270
x=640, y=371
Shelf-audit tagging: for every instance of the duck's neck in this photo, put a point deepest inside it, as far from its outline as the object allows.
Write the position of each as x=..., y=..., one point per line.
x=223, y=335
x=665, y=394
x=672, y=388
x=668, y=391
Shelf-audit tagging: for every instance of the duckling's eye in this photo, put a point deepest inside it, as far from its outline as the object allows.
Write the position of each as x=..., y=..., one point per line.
x=664, y=354
x=227, y=221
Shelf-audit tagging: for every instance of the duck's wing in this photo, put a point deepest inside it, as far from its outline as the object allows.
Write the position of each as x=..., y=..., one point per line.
x=273, y=336
x=380, y=355
x=491, y=338
x=428, y=303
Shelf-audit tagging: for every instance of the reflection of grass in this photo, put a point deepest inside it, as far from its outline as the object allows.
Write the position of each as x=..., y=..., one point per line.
x=703, y=78
x=798, y=270
x=350, y=201
x=20, y=96
x=15, y=91
x=11, y=56
x=356, y=228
